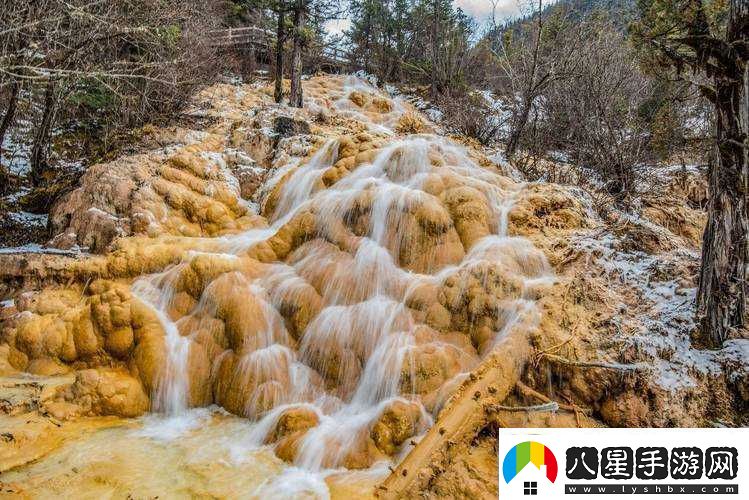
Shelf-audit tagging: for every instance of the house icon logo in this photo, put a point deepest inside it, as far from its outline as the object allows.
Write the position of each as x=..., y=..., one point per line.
x=522, y=454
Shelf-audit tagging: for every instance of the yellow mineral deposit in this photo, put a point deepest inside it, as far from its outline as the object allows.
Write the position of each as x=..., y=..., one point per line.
x=300, y=342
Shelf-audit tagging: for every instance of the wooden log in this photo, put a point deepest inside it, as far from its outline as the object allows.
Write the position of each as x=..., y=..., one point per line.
x=463, y=417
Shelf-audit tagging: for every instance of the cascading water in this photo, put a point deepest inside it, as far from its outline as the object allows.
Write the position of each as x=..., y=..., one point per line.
x=359, y=354
x=172, y=389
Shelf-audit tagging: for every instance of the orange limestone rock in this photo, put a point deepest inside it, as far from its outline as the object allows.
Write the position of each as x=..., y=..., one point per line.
x=342, y=278
x=362, y=279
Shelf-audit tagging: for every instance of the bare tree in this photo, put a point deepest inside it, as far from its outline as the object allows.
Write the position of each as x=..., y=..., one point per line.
x=530, y=60
x=280, y=8
x=12, y=51
x=118, y=62
x=40, y=146
x=435, y=45
x=8, y=117
x=682, y=34
x=531, y=87
x=593, y=113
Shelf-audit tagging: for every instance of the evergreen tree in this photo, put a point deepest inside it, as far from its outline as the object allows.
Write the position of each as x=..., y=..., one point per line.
x=419, y=40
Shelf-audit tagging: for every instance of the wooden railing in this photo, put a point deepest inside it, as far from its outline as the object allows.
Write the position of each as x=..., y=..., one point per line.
x=259, y=38
x=248, y=35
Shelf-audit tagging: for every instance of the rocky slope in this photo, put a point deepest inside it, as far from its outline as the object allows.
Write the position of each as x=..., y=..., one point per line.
x=362, y=291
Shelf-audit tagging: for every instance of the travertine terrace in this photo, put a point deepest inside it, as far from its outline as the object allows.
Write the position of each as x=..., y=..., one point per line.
x=363, y=291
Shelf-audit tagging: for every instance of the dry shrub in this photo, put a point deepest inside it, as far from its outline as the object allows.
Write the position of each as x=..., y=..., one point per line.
x=382, y=105
x=358, y=98
x=410, y=123
x=470, y=115
x=537, y=168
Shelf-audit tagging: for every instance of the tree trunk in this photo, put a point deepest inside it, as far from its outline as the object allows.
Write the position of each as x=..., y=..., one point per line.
x=528, y=93
x=41, y=138
x=10, y=114
x=15, y=86
x=400, y=46
x=367, y=30
x=723, y=287
x=435, y=47
x=278, y=91
x=296, y=56
x=517, y=130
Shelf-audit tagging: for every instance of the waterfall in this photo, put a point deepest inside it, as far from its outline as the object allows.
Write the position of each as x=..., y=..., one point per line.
x=361, y=352
x=173, y=386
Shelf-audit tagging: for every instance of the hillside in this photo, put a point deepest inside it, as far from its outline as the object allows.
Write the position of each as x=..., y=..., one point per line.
x=621, y=12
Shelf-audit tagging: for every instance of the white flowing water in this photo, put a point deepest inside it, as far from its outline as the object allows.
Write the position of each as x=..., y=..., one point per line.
x=173, y=385
x=364, y=334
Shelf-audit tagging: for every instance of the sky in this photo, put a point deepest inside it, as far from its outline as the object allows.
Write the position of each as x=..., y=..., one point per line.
x=480, y=10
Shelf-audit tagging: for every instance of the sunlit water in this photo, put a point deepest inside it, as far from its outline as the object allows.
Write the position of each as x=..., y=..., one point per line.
x=183, y=457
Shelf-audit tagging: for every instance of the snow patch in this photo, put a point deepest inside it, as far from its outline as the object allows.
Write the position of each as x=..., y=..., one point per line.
x=660, y=328
x=28, y=219
x=36, y=248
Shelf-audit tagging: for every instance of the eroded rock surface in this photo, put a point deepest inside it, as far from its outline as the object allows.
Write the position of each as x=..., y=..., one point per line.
x=345, y=278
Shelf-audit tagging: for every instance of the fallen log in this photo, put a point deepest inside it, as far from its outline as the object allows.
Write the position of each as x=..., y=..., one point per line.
x=464, y=416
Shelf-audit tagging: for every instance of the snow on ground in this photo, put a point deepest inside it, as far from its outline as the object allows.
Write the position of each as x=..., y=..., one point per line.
x=502, y=117
x=427, y=108
x=16, y=196
x=36, y=248
x=28, y=219
x=659, y=328
x=16, y=150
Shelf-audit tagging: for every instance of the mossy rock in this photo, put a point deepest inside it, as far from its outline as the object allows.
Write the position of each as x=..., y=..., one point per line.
x=40, y=199
x=286, y=126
